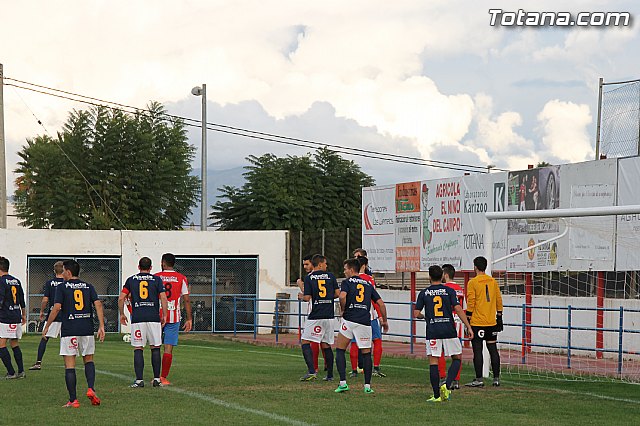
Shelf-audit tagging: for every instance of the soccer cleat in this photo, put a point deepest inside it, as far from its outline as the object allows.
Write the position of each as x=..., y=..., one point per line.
x=308, y=377
x=328, y=379
x=368, y=390
x=342, y=388
x=74, y=404
x=443, y=381
x=477, y=383
x=164, y=381
x=376, y=372
x=496, y=382
x=91, y=394
x=445, y=394
x=137, y=384
x=455, y=385
x=434, y=399
x=156, y=383
x=11, y=376
x=36, y=366
x=353, y=374
x=21, y=375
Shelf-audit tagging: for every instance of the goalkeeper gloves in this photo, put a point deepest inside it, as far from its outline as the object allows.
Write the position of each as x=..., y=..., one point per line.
x=499, y=323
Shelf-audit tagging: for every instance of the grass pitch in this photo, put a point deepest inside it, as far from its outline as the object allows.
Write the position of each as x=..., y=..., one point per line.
x=215, y=381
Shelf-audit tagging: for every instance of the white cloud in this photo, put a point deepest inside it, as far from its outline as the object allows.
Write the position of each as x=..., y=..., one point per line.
x=565, y=131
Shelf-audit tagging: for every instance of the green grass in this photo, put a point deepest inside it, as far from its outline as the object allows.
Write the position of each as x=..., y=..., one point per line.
x=216, y=381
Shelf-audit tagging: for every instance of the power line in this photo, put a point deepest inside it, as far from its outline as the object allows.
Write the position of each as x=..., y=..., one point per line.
x=256, y=134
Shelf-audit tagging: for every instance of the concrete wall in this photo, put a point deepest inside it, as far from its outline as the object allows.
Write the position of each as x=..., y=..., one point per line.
x=269, y=246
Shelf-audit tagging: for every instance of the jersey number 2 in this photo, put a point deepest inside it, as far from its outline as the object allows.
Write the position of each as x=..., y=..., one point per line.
x=77, y=296
x=437, y=308
x=144, y=291
x=360, y=295
x=322, y=290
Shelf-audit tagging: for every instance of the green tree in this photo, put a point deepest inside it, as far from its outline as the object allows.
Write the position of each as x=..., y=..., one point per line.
x=542, y=164
x=308, y=193
x=137, y=168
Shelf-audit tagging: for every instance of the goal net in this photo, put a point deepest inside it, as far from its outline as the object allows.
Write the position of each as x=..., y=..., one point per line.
x=572, y=307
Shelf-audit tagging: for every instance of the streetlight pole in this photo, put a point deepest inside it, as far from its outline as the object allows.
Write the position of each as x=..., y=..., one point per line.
x=202, y=91
x=3, y=166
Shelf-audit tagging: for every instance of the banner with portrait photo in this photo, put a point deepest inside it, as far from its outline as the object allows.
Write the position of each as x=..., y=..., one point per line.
x=407, y=197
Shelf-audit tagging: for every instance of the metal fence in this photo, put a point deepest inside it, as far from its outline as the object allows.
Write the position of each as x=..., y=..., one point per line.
x=618, y=127
x=103, y=272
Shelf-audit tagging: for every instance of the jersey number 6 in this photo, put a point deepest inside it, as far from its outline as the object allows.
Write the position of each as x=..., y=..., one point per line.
x=144, y=291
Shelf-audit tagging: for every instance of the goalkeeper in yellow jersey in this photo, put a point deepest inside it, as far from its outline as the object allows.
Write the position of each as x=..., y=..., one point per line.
x=484, y=310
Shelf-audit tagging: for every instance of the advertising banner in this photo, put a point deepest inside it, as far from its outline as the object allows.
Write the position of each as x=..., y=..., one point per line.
x=408, y=227
x=628, y=233
x=378, y=226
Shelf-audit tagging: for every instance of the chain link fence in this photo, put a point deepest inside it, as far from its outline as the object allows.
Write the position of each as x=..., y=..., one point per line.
x=618, y=119
x=102, y=272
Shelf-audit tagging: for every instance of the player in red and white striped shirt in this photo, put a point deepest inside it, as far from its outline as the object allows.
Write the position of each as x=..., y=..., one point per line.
x=448, y=272
x=176, y=287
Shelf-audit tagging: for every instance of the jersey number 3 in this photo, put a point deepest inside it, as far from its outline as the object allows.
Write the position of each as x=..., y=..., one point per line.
x=437, y=307
x=77, y=296
x=360, y=295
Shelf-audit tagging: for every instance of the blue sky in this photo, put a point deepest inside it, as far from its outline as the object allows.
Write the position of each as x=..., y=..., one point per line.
x=419, y=78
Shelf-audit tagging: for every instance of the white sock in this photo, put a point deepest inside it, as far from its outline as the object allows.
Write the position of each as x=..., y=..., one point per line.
x=367, y=386
x=343, y=382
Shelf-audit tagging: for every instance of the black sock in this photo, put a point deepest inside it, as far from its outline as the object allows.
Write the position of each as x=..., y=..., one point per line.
x=70, y=379
x=41, y=348
x=477, y=356
x=156, y=362
x=328, y=360
x=90, y=374
x=138, y=363
x=6, y=360
x=360, y=359
x=341, y=364
x=17, y=354
x=368, y=367
x=453, y=371
x=434, y=378
x=307, y=353
x=495, y=359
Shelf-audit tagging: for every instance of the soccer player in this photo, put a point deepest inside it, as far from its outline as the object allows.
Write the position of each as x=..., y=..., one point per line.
x=356, y=295
x=448, y=272
x=484, y=309
x=48, y=301
x=320, y=288
x=176, y=287
x=439, y=302
x=147, y=293
x=354, y=353
x=12, y=317
x=315, y=347
x=74, y=300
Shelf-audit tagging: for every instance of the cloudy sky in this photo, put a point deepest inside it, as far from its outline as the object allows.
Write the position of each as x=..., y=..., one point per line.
x=425, y=78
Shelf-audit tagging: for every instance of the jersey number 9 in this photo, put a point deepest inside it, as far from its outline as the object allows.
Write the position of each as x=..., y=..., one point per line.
x=322, y=290
x=14, y=292
x=144, y=291
x=77, y=296
x=360, y=295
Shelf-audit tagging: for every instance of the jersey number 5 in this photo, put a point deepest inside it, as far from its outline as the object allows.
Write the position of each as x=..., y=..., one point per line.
x=360, y=295
x=14, y=292
x=322, y=290
x=77, y=296
x=437, y=308
x=144, y=291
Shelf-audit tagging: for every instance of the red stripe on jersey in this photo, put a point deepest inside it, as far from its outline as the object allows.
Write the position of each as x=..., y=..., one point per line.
x=175, y=285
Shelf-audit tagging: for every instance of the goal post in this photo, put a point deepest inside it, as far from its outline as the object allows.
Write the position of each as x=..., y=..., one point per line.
x=583, y=319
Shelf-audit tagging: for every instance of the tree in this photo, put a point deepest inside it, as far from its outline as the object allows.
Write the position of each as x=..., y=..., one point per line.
x=542, y=164
x=308, y=193
x=137, y=169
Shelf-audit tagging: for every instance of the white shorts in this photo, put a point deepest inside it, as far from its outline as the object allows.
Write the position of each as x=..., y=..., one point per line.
x=353, y=330
x=451, y=347
x=319, y=331
x=143, y=332
x=54, y=330
x=80, y=345
x=10, y=331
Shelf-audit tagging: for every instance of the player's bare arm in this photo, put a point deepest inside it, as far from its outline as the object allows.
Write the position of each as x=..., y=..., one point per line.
x=43, y=307
x=343, y=300
x=187, y=306
x=165, y=308
x=121, y=299
x=54, y=312
x=383, y=314
x=100, y=314
x=418, y=314
x=463, y=318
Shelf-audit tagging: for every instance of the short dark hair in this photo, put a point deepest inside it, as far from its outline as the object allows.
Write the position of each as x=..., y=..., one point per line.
x=480, y=263
x=352, y=264
x=362, y=261
x=449, y=270
x=317, y=259
x=435, y=273
x=169, y=259
x=4, y=264
x=72, y=266
x=307, y=257
x=359, y=252
x=144, y=263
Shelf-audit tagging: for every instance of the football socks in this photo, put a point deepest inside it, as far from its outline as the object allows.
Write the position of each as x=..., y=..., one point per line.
x=17, y=354
x=138, y=363
x=328, y=358
x=6, y=360
x=307, y=353
x=434, y=377
x=156, y=362
x=41, y=348
x=341, y=364
x=495, y=358
x=70, y=380
x=368, y=367
x=454, y=368
x=89, y=373
x=166, y=364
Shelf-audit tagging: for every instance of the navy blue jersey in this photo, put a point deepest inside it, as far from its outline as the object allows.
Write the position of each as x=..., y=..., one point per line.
x=11, y=300
x=76, y=298
x=438, y=302
x=145, y=292
x=50, y=292
x=321, y=286
x=360, y=294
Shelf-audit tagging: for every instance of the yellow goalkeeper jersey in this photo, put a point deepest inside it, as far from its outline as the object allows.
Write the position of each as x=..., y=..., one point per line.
x=483, y=300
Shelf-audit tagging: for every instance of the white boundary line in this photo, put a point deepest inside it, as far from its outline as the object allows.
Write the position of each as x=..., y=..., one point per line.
x=219, y=402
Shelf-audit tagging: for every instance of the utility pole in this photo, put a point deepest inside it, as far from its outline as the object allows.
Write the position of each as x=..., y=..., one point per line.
x=202, y=91
x=3, y=164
